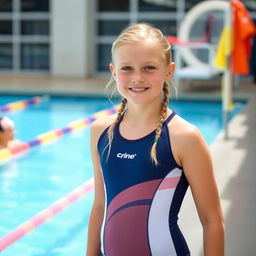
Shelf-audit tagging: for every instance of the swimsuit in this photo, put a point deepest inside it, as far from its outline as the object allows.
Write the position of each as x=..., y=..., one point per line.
x=142, y=199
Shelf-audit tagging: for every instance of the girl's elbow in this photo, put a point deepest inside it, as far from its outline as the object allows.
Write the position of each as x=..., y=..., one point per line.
x=218, y=225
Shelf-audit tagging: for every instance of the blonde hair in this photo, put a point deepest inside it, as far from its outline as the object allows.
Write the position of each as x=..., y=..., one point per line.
x=135, y=34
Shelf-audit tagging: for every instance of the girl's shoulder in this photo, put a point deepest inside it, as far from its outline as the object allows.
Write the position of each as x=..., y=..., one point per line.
x=14, y=143
x=184, y=137
x=99, y=125
x=181, y=128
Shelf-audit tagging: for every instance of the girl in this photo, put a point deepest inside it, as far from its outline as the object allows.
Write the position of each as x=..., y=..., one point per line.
x=144, y=159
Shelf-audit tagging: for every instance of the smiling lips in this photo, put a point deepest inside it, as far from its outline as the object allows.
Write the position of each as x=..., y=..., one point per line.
x=138, y=89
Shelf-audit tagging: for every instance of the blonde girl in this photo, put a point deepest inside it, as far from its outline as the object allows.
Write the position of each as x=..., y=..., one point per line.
x=145, y=157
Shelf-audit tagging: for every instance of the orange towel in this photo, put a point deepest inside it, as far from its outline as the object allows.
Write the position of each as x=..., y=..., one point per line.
x=244, y=30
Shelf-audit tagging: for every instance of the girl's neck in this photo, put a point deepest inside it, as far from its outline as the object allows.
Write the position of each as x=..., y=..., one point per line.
x=142, y=113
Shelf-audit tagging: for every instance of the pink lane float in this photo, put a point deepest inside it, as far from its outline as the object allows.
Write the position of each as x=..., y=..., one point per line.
x=9, y=153
x=45, y=214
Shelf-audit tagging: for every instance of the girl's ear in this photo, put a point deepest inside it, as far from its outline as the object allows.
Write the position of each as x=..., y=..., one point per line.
x=112, y=69
x=170, y=71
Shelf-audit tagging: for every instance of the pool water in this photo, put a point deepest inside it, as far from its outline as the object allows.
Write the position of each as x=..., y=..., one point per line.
x=46, y=173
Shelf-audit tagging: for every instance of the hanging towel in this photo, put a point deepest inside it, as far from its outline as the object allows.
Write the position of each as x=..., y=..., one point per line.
x=244, y=30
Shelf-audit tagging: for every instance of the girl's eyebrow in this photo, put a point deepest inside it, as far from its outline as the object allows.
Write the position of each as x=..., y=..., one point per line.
x=121, y=64
x=151, y=62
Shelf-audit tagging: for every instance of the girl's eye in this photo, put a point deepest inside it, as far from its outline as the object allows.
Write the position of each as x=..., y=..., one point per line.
x=150, y=67
x=126, y=68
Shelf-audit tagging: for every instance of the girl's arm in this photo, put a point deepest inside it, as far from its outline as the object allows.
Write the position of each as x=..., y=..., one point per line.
x=197, y=164
x=97, y=212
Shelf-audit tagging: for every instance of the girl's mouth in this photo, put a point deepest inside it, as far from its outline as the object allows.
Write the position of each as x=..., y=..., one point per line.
x=138, y=89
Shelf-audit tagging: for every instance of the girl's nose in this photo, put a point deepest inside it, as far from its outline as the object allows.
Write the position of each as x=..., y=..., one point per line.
x=138, y=78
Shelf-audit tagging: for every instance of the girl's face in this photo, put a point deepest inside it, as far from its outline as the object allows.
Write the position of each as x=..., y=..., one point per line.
x=140, y=70
x=7, y=134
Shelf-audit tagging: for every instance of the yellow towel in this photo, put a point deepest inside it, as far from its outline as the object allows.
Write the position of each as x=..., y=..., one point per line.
x=224, y=48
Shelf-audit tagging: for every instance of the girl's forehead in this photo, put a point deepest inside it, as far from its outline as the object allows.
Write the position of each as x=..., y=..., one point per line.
x=145, y=48
x=147, y=44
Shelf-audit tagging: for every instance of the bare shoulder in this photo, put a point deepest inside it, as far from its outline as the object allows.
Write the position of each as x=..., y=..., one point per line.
x=184, y=132
x=185, y=138
x=99, y=125
x=14, y=143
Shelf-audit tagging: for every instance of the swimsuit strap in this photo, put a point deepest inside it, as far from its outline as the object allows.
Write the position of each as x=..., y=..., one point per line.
x=170, y=117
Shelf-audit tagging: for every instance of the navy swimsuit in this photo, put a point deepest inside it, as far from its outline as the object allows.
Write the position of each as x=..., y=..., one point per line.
x=142, y=200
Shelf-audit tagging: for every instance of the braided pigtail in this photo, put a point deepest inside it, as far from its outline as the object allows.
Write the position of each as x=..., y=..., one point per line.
x=164, y=107
x=112, y=126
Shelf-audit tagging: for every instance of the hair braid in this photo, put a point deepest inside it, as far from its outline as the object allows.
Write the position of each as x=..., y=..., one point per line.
x=112, y=126
x=164, y=107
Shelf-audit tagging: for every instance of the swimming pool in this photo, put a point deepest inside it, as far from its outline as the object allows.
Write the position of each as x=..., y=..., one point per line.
x=33, y=182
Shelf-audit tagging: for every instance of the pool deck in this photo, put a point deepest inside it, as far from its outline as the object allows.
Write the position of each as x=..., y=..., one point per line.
x=234, y=158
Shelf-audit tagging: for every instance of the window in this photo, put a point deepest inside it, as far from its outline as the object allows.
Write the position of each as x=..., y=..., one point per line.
x=6, y=6
x=34, y=56
x=24, y=37
x=168, y=27
x=5, y=56
x=113, y=5
x=35, y=27
x=111, y=27
x=157, y=6
x=191, y=3
x=104, y=57
x=6, y=27
x=34, y=5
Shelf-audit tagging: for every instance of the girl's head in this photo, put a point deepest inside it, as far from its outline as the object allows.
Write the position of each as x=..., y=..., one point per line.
x=6, y=130
x=141, y=61
x=6, y=124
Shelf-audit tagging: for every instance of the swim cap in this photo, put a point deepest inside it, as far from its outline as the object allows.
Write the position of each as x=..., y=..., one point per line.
x=6, y=123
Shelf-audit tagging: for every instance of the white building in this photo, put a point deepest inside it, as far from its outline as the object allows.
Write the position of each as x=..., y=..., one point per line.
x=73, y=37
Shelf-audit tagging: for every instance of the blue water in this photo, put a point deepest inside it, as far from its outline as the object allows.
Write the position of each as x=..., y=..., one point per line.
x=36, y=180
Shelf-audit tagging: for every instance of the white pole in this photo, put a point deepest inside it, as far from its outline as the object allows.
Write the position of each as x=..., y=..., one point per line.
x=227, y=77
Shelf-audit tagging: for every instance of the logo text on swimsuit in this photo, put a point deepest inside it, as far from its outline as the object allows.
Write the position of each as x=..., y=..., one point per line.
x=126, y=155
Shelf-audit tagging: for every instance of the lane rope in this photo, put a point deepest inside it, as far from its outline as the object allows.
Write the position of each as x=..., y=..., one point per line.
x=8, y=154
x=46, y=214
x=22, y=104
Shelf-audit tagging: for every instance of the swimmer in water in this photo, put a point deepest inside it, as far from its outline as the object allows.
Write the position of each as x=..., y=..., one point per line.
x=7, y=133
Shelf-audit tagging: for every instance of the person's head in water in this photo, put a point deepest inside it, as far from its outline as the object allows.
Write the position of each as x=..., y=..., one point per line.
x=6, y=131
x=141, y=69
